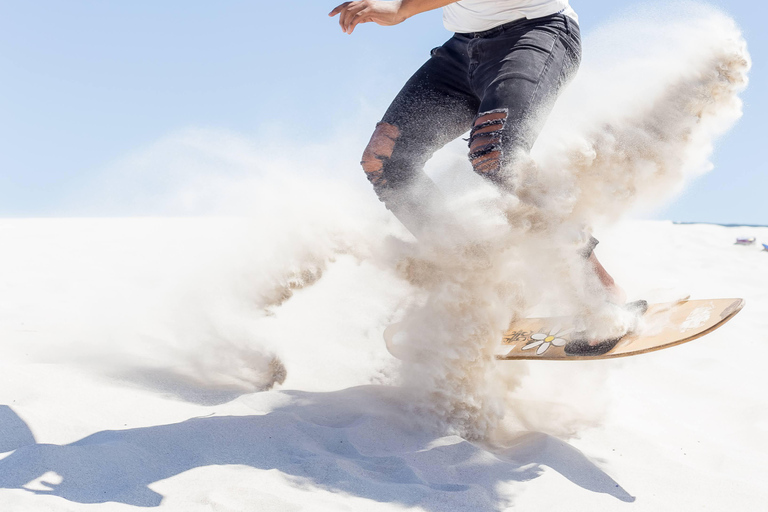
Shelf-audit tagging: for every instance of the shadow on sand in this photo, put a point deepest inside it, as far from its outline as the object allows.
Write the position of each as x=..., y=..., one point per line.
x=357, y=441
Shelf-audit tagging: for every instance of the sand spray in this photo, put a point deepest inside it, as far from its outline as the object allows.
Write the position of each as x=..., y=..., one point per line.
x=662, y=103
x=636, y=124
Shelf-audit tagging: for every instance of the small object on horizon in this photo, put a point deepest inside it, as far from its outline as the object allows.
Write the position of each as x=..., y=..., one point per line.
x=746, y=241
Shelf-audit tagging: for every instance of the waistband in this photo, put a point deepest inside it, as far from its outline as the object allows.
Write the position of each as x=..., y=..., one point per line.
x=491, y=32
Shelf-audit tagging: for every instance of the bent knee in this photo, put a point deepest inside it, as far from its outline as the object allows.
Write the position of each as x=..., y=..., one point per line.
x=486, y=153
x=378, y=151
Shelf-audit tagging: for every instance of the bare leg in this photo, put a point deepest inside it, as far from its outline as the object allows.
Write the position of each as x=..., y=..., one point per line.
x=615, y=292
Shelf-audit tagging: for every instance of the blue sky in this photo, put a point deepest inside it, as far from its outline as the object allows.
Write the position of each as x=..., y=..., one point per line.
x=87, y=82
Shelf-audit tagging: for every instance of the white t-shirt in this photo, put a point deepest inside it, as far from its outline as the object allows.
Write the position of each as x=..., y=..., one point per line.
x=479, y=15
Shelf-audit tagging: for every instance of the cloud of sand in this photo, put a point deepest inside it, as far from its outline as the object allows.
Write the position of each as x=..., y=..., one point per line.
x=200, y=316
x=639, y=121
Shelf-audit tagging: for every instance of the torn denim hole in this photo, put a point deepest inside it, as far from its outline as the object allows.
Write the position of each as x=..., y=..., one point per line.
x=485, y=143
x=378, y=151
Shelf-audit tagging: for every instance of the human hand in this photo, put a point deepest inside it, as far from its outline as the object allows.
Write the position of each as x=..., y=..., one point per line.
x=364, y=11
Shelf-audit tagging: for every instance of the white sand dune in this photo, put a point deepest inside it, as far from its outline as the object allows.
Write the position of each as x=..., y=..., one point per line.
x=236, y=364
x=136, y=360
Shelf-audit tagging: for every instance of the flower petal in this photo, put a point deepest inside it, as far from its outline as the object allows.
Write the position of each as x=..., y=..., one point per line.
x=533, y=345
x=538, y=336
x=558, y=342
x=543, y=348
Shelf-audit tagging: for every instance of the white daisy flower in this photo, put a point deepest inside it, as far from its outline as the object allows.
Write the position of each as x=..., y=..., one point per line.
x=544, y=341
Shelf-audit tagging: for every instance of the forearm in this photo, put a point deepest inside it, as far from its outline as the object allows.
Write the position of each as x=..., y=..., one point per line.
x=382, y=12
x=410, y=8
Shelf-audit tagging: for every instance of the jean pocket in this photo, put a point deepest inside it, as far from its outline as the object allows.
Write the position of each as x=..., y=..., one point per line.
x=574, y=36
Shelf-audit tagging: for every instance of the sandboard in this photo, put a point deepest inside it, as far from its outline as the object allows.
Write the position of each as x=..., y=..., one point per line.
x=662, y=326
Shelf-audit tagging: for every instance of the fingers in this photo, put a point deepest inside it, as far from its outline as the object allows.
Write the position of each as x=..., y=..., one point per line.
x=348, y=15
x=352, y=13
x=343, y=15
x=338, y=9
x=360, y=17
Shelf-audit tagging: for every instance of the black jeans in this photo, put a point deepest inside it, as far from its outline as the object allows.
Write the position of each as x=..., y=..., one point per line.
x=500, y=84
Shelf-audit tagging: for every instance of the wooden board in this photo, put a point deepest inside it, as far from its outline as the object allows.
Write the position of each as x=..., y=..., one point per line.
x=662, y=326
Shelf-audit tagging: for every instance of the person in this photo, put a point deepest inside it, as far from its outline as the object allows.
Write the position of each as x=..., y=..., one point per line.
x=496, y=77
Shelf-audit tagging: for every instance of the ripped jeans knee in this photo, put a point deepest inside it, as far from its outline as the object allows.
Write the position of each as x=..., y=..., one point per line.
x=486, y=144
x=378, y=152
